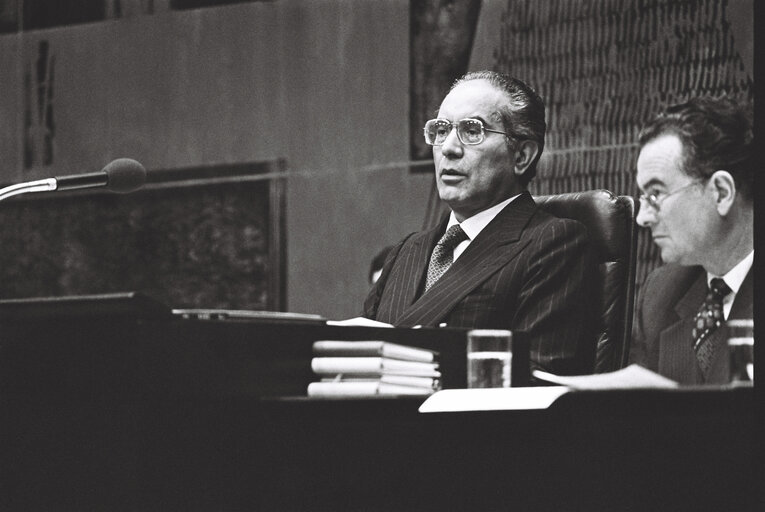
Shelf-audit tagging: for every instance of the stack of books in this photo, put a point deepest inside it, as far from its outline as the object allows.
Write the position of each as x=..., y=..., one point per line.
x=372, y=368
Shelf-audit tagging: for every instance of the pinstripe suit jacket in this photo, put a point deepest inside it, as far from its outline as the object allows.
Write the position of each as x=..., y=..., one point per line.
x=526, y=270
x=662, y=340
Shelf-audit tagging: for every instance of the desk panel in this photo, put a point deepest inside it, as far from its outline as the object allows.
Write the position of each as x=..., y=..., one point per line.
x=137, y=414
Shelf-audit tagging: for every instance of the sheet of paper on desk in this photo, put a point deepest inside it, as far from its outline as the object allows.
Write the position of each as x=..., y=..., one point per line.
x=633, y=376
x=493, y=399
x=359, y=321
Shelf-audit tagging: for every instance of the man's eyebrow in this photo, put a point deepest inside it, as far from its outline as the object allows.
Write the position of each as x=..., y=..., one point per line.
x=479, y=117
x=653, y=182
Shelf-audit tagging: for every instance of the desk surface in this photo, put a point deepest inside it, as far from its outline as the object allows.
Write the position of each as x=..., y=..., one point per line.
x=139, y=417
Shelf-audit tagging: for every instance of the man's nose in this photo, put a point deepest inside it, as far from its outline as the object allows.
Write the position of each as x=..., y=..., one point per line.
x=452, y=145
x=645, y=216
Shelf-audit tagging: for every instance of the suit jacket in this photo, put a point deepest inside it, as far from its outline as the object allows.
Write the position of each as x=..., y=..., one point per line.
x=526, y=270
x=662, y=340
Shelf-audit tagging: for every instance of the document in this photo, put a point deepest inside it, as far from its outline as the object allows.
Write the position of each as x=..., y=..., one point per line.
x=633, y=376
x=359, y=321
x=370, y=348
x=493, y=399
x=542, y=397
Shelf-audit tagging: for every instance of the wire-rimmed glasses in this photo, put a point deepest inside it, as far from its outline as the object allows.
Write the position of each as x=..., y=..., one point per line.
x=654, y=200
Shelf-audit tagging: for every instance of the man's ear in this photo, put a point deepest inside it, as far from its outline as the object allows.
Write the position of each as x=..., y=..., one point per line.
x=724, y=190
x=525, y=153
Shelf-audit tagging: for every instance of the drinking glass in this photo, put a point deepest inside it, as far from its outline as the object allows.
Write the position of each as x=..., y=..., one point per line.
x=741, y=351
x=489, y=355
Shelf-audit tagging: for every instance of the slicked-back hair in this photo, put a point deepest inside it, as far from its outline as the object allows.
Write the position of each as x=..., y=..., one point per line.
x=716, y=134
x=523, y=117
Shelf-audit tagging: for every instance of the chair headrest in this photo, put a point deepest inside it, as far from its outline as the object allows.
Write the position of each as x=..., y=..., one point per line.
x=604, y=214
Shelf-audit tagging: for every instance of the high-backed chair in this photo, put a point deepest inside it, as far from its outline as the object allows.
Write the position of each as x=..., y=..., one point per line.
x=610, y=221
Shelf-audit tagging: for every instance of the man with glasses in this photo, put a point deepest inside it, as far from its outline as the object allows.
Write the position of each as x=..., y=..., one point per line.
x=496, y=261
x=695, y=169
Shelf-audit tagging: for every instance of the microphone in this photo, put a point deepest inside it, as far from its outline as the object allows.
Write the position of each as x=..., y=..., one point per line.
x=121, y=175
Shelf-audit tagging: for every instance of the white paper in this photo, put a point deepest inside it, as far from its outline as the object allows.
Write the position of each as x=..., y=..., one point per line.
x=493, y=399
x=359, y=321
x=633, y=376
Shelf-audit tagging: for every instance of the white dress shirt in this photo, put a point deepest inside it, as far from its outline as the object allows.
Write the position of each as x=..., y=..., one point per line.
x=475, y=224
x=734, y=278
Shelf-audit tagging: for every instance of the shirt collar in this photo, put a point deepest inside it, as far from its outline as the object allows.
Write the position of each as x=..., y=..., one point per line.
x=475, y=224
x=735, y=276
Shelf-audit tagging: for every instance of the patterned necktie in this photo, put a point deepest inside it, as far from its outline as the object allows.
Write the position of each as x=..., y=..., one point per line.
x=443, y=254
x=707, y=320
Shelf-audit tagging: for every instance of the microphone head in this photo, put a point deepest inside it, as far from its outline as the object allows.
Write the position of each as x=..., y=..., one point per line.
x=124, y=175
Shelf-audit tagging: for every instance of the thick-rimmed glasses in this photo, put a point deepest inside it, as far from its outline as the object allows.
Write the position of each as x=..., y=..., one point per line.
x=655, y=200
x=469, y=131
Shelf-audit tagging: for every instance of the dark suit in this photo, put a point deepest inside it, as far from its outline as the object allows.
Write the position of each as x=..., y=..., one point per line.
x=526, y=270
x=662, y=340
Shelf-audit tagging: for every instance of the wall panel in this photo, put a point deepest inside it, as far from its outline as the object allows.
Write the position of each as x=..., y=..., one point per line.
x=193, y=238
x=322, y=85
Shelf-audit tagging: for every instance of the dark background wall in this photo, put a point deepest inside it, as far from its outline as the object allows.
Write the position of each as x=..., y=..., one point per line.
x=329, y=87
x=604, y=68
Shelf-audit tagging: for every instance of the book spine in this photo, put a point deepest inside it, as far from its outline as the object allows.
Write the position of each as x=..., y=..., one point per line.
x=333, y=348
x=347, y=349
x=363, y=389
x=335, y=365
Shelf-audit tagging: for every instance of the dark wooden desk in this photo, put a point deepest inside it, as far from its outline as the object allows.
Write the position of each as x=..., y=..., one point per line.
x=153, y=414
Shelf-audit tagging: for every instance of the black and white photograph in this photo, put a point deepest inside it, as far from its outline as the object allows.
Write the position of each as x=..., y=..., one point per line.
x=379, y=255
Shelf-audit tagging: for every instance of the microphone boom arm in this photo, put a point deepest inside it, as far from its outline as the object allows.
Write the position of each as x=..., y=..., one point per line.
x=121, y=175
x=31, y=186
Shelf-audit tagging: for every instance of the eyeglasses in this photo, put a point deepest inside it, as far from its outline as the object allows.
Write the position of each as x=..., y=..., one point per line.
x=655, y=200
x=469, y=131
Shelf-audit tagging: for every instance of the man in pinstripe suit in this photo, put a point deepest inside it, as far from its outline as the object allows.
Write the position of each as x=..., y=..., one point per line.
x=695, y=169
x=515, y=266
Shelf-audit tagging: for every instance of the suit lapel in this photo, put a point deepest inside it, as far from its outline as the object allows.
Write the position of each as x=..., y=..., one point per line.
x=421, y=251
x=677, y=359
x=481, y=259
x=403, y=283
